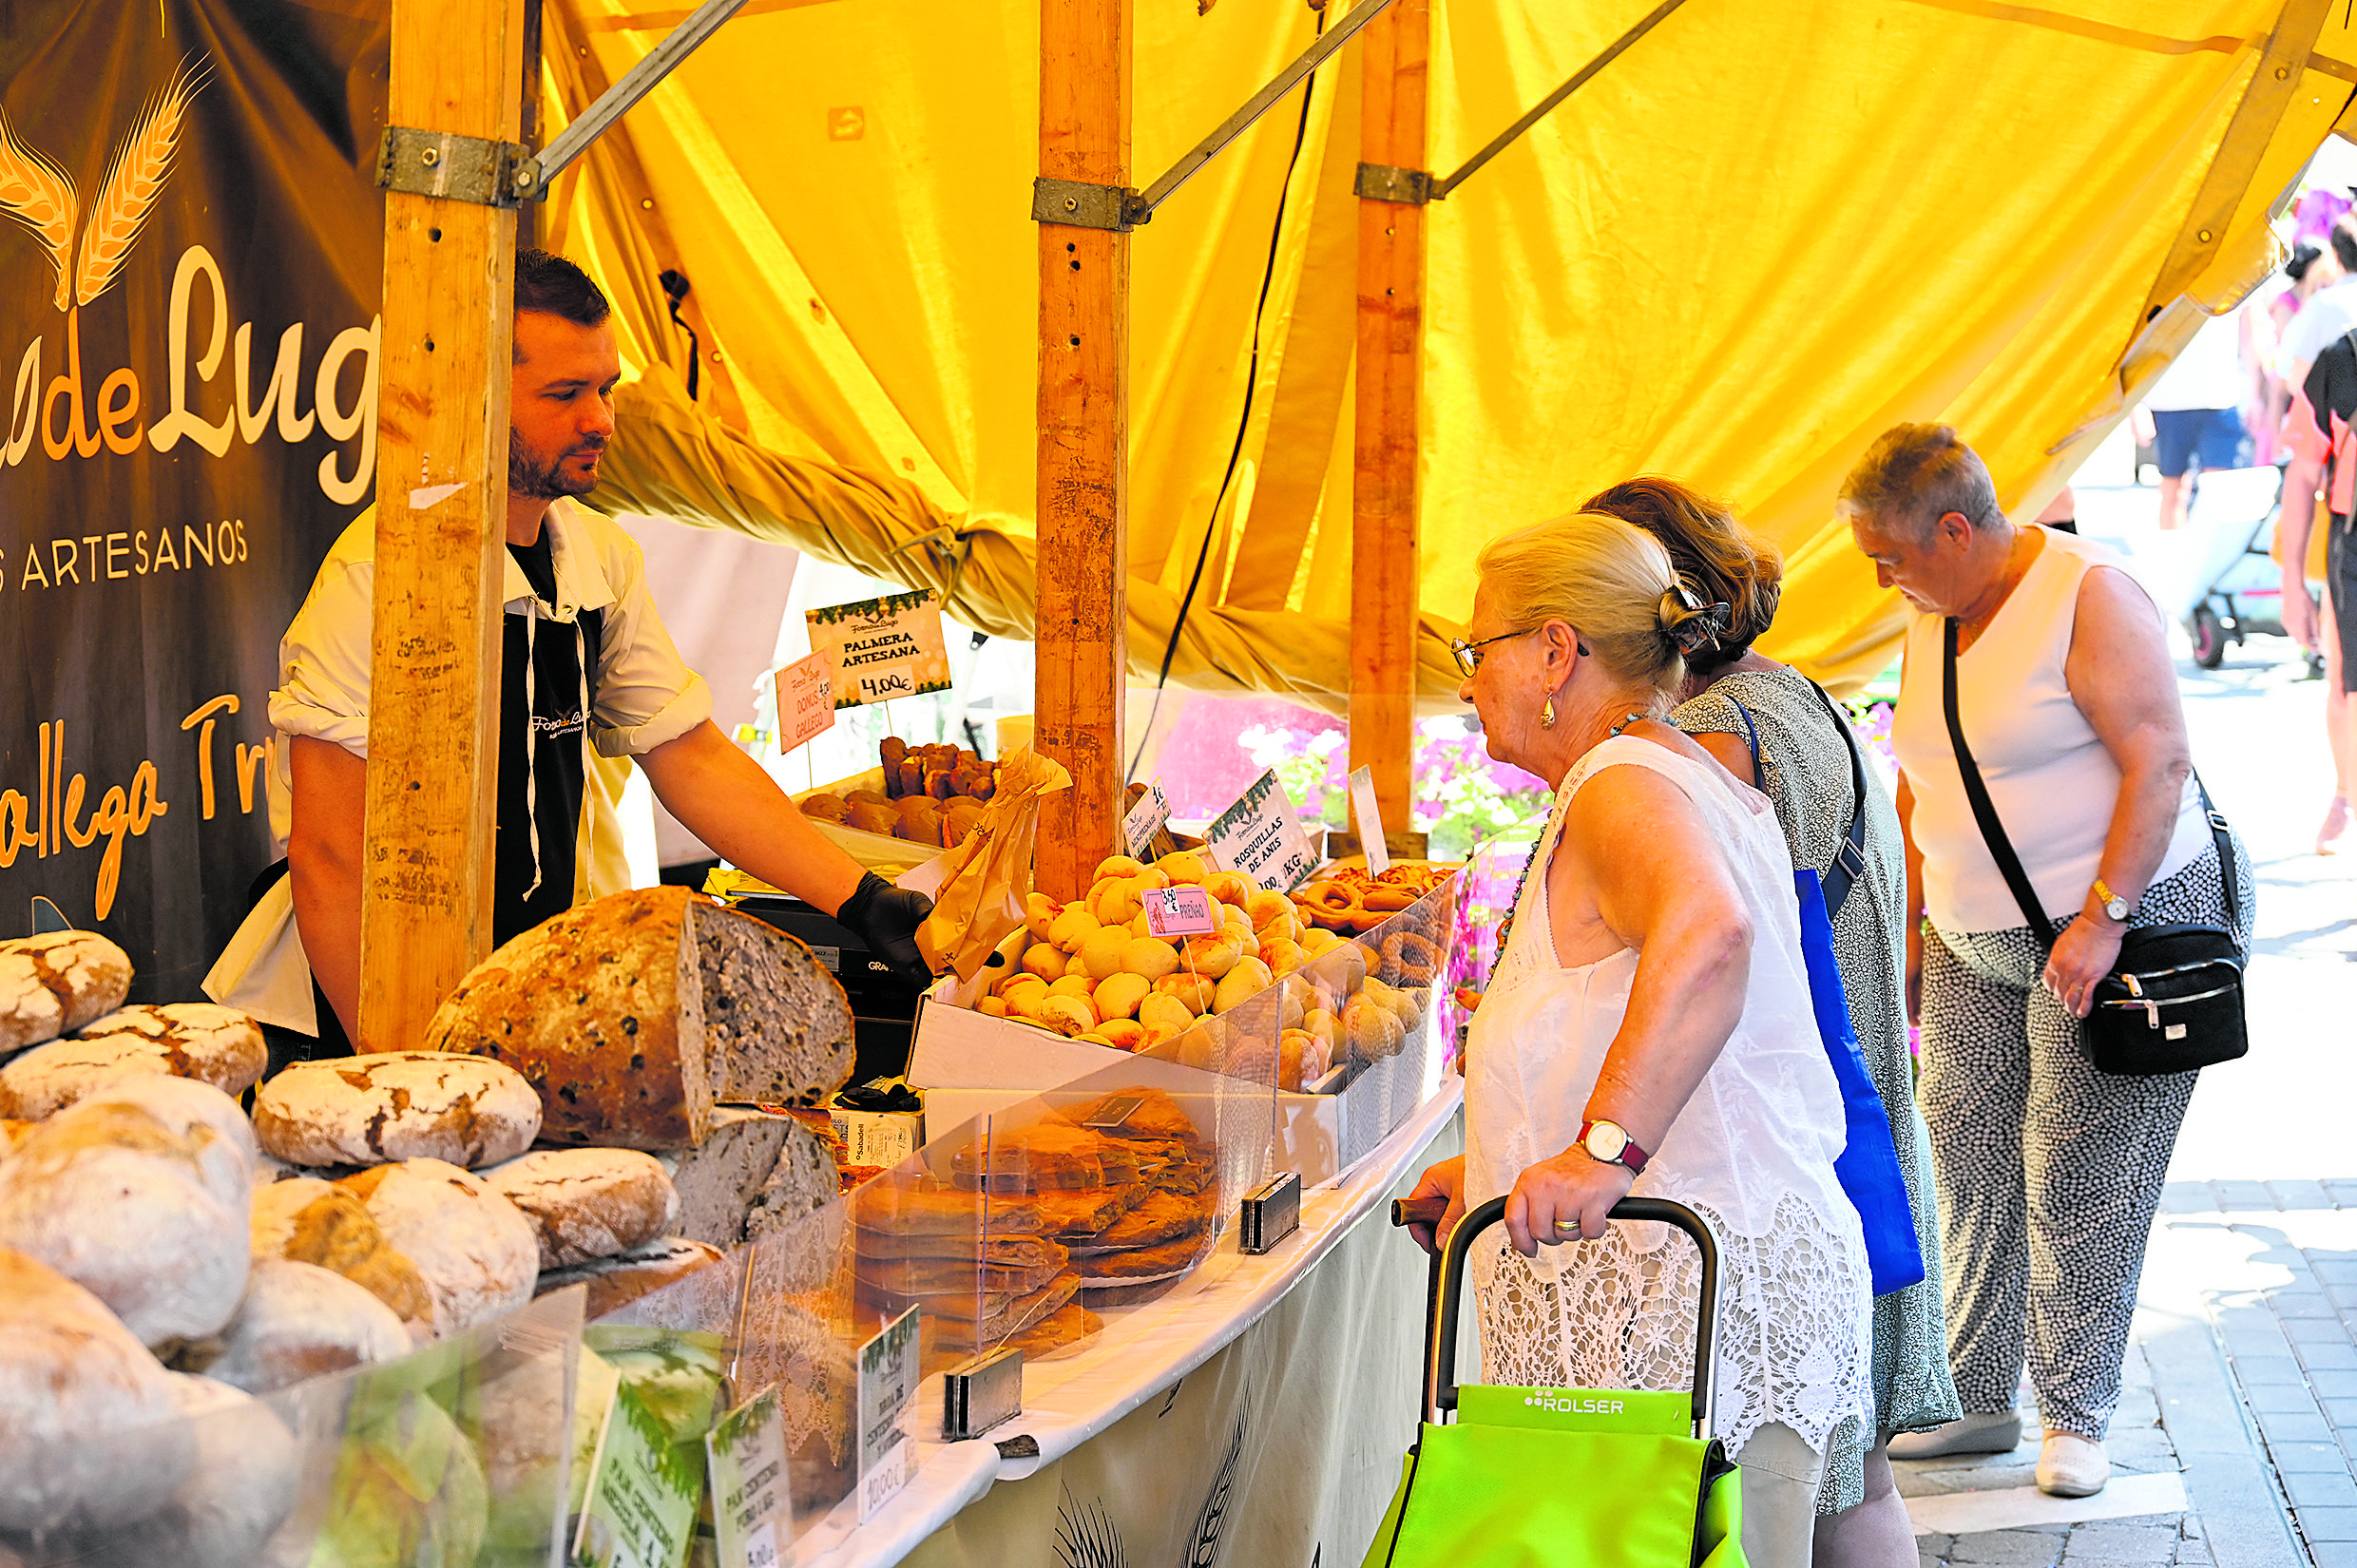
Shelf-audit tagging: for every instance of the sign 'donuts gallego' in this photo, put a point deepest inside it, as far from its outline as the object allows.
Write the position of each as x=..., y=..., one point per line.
x=883, y=648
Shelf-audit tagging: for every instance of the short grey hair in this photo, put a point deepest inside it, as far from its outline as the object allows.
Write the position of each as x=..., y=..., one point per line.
x=1912, y=477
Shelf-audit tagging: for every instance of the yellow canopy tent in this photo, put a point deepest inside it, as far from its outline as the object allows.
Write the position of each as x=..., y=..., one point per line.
x=1754, y=241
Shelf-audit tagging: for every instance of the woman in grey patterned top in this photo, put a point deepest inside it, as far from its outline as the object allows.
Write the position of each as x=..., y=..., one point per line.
x=1805, y=772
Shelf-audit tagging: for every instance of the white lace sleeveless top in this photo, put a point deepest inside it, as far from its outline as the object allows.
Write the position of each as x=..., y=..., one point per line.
x=1752, y=1152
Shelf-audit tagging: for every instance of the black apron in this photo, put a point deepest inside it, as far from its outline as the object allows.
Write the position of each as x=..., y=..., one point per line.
x=547, y=689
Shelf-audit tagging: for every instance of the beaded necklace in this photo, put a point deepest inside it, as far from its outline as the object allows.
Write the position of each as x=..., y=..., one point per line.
x=1505, y=926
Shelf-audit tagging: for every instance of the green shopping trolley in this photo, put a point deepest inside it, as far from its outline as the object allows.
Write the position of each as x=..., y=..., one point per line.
x=1561, y=1477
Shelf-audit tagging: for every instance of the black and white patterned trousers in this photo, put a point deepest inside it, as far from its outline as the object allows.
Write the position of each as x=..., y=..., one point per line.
x=2048, y=1171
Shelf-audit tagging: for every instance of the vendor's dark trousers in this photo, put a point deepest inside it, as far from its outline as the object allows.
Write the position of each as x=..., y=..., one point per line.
x=2048, y=1171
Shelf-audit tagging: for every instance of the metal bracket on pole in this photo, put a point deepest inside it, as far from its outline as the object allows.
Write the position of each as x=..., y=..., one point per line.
x=1439, y=189
x=1086, y=206
x=635, y=83
x=1077, y=204
x=1382, y=182
x=459, y=168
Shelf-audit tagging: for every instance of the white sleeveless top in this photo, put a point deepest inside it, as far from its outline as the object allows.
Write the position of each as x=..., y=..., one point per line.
x=2052, y=781
x=1753, y=1151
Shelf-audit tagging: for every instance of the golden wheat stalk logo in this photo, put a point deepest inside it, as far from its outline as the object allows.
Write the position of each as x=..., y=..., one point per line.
x=40, y=194
x=37, y=194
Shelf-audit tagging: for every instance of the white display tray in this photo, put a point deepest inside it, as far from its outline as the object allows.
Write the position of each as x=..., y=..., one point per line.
x=970, y=1064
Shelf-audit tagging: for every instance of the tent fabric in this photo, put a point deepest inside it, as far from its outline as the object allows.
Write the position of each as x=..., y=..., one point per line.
x=1755, y=240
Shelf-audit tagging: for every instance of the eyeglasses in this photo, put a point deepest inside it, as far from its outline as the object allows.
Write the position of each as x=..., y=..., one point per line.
x=1469, y=654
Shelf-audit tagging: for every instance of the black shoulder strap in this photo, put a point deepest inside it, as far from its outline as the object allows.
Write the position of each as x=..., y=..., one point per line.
x=1984, y=812
x=1850, y=860
x=2218, y=834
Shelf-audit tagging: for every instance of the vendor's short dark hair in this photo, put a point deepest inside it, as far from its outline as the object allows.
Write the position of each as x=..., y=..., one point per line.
x=1912, y=477
x=549, y=282
x=2302, y=258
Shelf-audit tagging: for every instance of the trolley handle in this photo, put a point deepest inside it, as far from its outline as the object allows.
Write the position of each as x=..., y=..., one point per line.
x=1440, y=1385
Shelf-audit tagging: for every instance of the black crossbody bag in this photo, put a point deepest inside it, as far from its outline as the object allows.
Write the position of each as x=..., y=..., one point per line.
x=2174, y=1003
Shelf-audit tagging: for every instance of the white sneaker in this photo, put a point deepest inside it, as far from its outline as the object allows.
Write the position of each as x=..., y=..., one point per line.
x=2071, y=1466
x=1985, y=1432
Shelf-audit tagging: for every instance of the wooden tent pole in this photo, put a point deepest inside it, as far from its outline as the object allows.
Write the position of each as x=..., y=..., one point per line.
x=1384, y=546
x=1084, y=434
x=441, y=529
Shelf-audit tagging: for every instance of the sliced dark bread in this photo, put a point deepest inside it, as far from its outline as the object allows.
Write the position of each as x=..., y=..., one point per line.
x=633, y=1014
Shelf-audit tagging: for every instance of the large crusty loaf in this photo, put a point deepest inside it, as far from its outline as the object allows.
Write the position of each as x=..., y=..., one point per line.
x=57, y=981
x=144, y=1215
x=615, y=1282
x=91, y=1434
x=636, y=1013
x=308, y=1220
x=478, y=1253
x=298, y=1320
x=750, y=1166
x=195, y=1039
x=586, y=1203
x=393, y=1105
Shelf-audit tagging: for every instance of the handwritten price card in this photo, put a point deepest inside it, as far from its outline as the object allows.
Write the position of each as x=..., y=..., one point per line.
x=805, y=702
x=1145, y=819
x=882, y=648
x=1179, y=911
x=1260, y=836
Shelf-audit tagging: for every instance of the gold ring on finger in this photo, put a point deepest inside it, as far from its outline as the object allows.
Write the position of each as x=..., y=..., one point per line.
x=1567, y=1227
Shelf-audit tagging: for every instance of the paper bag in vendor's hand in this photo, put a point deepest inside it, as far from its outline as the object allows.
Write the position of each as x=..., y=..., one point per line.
x=988, y=874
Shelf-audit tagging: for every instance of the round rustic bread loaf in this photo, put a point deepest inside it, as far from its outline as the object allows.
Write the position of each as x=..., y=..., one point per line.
x=58, y=982
x=308, y=1220
x=586, y=1203
x=193, y=1040
x=225, y=1152
x=91, y=1434
x=393, y=1105
x=298, y=1320
x=476, y=1250
x=145, y=1216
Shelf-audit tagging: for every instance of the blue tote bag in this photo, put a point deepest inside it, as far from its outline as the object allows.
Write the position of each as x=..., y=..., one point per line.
x=1868, y=1166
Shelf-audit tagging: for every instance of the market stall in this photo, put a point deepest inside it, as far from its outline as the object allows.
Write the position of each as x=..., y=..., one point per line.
x=609, y=1269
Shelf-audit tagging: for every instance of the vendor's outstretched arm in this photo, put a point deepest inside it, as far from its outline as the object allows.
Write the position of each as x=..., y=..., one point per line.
x=323, y=864
x=727, y=800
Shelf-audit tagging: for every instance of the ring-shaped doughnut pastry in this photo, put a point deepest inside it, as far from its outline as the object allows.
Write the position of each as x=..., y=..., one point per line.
x=1383, y=900
x=1410, y=959
x=1330, y=896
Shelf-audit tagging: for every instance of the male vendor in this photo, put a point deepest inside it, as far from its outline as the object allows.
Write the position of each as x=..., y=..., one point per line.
x=585, y=660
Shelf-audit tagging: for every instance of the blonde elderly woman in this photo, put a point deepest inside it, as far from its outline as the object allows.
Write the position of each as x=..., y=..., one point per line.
x=1648, y=1029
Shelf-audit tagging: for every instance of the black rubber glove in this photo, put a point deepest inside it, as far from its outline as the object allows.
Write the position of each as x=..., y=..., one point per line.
x=886, y=918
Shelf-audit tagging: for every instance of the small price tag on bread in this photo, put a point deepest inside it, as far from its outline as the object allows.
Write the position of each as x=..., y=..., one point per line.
x=805, y=700
x=1179, y=911
x=1146, y=818
x=1370, y=816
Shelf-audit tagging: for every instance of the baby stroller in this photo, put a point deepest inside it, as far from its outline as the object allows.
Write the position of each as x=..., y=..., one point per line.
x=1626, y=1479
x=2236, y=587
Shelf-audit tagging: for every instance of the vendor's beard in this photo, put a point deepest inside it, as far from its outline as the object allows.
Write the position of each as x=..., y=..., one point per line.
x=544, y=482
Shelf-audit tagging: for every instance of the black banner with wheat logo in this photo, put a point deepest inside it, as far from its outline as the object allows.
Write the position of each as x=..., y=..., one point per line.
x=190, y=249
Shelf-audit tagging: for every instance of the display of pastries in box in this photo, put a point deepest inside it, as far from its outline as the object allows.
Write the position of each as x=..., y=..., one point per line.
x=1093, y=970
x=1112, y=1193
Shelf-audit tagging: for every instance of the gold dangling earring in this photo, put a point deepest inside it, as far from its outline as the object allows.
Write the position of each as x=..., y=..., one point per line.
x=1546, y=714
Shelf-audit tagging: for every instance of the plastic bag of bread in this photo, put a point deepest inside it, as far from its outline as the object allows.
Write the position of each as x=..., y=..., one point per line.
x=982, y=891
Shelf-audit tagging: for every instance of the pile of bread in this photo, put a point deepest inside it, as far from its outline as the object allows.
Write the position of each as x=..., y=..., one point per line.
x=1034, y=1227
x=163, y=1255
x=1093, y=970
x=928, y=794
